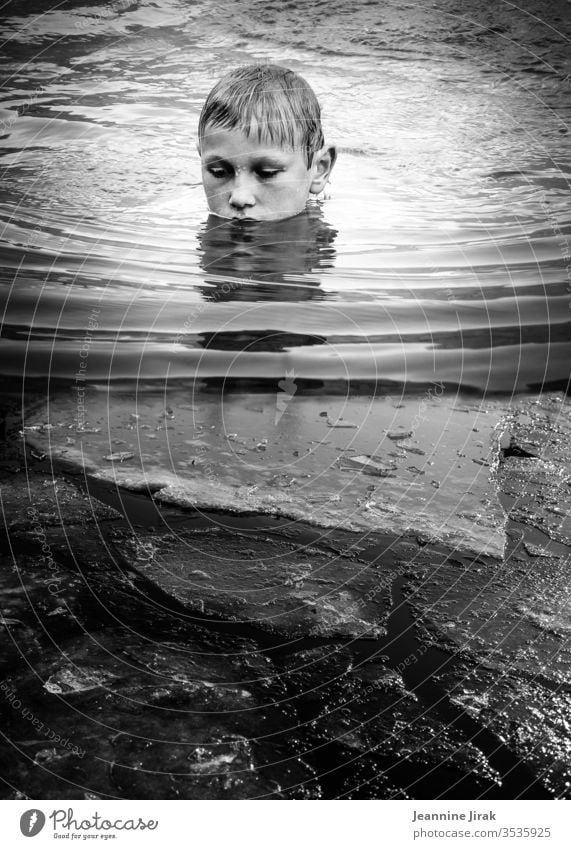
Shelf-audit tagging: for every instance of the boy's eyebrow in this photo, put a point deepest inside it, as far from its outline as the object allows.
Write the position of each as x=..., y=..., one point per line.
x=266, y=159
x=263, y=161
x=214, y=158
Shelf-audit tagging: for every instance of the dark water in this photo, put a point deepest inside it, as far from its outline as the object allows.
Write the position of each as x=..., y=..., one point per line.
x=442, y=257
x=443, y=253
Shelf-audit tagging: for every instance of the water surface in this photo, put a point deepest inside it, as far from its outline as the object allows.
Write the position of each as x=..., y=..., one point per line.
x=329, y=369
x=442, y=254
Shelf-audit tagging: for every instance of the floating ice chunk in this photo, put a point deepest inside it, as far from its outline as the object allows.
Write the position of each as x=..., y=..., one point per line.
x=340, y=423
x=399, y=434
x=369, y=466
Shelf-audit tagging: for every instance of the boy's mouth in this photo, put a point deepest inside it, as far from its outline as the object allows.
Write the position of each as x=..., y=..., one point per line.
x=244, y=220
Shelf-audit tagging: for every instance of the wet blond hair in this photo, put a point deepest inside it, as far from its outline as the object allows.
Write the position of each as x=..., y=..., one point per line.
x=267, y=102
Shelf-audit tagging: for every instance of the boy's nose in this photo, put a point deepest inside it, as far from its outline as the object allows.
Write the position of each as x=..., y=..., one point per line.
x=242, y=194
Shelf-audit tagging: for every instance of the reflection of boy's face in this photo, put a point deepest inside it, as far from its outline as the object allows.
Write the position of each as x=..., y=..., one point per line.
x=276, y=251
x=246, y=178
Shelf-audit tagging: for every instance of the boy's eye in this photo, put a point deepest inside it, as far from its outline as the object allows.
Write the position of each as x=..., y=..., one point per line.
x=267, y=173
x=217, y=171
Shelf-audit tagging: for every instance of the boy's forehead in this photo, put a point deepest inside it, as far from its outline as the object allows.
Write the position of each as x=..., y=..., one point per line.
x=247, y=140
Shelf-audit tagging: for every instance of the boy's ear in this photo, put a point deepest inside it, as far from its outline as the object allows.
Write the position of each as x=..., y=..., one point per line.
x=323, y=162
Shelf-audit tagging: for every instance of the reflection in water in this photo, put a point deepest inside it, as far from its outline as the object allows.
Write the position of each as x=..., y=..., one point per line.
x=278, y=253
x=261, y=261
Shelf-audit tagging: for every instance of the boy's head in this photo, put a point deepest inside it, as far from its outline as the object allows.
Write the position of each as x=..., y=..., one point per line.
x=261, y=144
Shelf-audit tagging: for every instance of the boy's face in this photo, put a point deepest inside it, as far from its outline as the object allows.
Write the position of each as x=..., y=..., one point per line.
x=245, y=178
